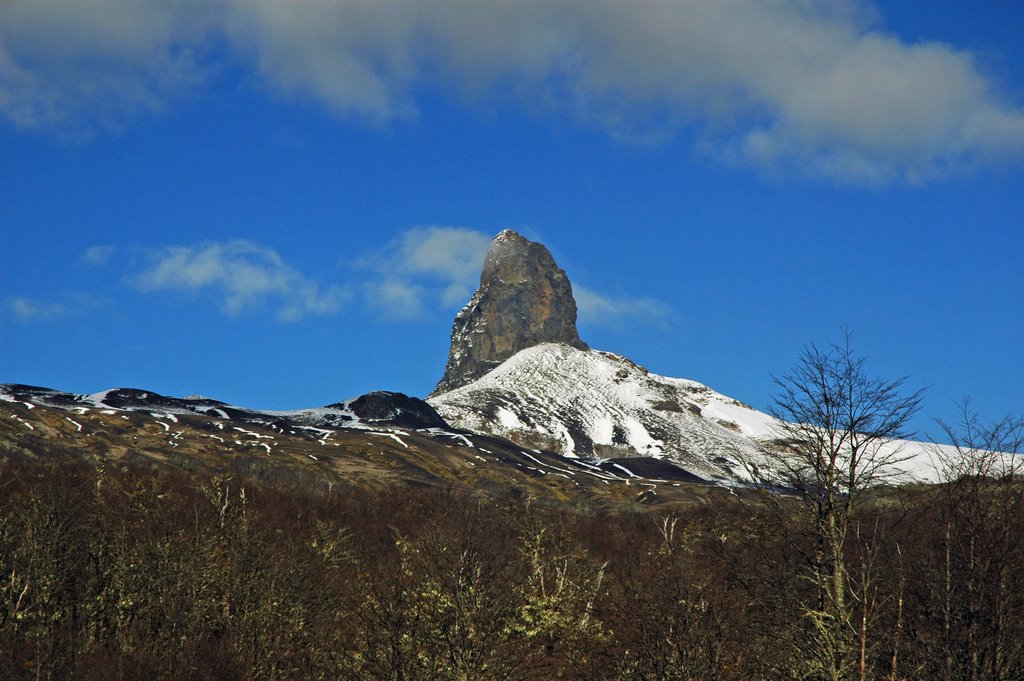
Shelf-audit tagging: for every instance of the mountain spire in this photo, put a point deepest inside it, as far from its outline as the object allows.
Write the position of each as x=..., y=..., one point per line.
x=524, y=299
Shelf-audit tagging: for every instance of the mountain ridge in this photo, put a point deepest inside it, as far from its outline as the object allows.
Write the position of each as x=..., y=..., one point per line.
x=559, y=394
x=518, y=378
x=364, y=441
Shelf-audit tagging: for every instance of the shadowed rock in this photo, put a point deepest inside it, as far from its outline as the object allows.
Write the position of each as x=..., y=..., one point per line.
x=396, y=409
x=524, y=299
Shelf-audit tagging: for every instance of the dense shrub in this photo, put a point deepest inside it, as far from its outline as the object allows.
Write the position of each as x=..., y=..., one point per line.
x=140, y=574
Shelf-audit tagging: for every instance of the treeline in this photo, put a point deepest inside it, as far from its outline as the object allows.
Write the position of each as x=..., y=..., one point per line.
x=142, y=574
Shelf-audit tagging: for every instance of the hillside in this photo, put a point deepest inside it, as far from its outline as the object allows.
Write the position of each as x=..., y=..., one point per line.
x=373, y=441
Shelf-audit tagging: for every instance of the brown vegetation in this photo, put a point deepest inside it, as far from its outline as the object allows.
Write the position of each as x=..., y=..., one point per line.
x=136, y=573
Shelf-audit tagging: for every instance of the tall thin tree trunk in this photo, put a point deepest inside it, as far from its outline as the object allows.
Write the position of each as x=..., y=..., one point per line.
x=863, y=640
x=947, y=609
x=899, y=619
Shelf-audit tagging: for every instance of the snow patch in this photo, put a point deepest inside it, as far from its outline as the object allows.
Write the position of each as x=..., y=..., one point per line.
x=508, y=420
x=255, y=435
x=625, y=470
x=394, y=437
x=603, y=430
x=24, y=422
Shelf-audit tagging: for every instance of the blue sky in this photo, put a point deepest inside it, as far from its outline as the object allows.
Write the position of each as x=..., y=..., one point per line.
x=284, y=204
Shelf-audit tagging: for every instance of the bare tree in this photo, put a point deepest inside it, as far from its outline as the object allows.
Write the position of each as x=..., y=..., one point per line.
x=838, y=433
x=981, y=504
x=985, y=451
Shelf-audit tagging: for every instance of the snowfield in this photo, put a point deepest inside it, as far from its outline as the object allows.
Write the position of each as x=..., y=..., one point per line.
x=593, y=404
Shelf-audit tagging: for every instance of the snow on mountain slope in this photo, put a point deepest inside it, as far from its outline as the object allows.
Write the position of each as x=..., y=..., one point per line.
x=587, y=403
x=594, y=404
x=376, y=437
x=368, y=411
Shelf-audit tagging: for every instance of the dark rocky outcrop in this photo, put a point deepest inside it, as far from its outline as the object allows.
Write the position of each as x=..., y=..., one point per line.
x=524, y=299
x=396, y=409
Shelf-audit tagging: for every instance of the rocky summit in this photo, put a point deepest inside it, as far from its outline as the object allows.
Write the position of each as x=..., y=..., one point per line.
x=524, y=300
x=518, y=371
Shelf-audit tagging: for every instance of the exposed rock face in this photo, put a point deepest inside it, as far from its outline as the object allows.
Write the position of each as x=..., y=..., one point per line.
x=396, y=409
x=524, y=299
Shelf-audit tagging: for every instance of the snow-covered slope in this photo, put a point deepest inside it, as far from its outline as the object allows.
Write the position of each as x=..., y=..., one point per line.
x=594, y=404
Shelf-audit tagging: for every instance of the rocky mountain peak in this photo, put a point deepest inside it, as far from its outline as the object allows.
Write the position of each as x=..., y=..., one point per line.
x=524, y=299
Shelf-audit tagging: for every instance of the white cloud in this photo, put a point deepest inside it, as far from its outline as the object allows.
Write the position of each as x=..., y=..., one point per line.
x=27, y=310
x=810, y=85
x=67, y=304
x=395, y=299
x=98, y=255
x=73, y=65
x=439, y=264
x=615, y=311
x=424, y=269
x=243, y=275
x=439, y=267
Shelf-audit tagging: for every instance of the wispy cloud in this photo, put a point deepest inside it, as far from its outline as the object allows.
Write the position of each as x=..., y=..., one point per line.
x=425, y=270
x=98, y=255
x=27, y=310
x=615, y=311
x=66, y=304
x=431, y=268
x=815, y=87
x=424, y=267
x=242, y=275
x=395, y=299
